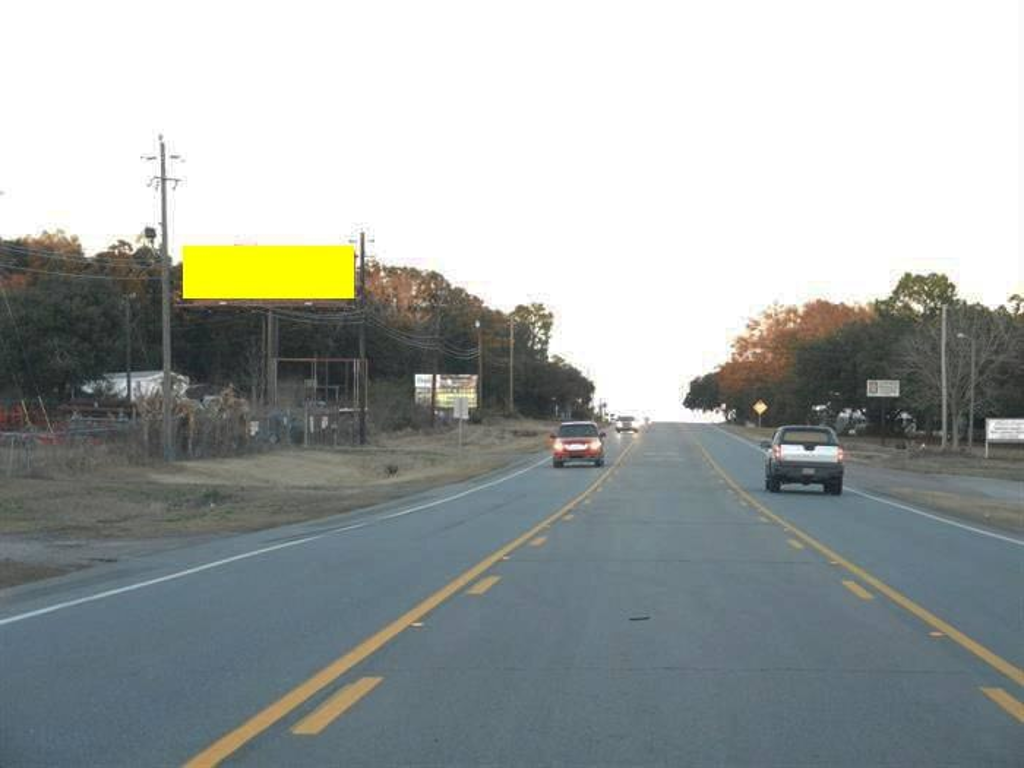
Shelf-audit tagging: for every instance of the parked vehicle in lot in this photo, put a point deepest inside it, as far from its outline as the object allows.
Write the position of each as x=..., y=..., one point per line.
x=805, y=455
x=577, y=441
x=626, y=424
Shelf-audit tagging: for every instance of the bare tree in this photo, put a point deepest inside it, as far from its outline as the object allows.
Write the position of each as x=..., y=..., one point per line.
x=994, y=342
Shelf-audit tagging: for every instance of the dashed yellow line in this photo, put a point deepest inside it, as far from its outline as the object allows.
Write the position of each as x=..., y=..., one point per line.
x=234, y=740
x=858, y=590
x=539, y=541
x=995, y=661
x=1006, y=701
x=335, y=706
x=569, y=517
x=793, y=543
x=483, y=585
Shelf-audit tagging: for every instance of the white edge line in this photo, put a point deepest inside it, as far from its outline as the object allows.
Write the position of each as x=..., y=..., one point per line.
x=905, y=507
x=261, y=551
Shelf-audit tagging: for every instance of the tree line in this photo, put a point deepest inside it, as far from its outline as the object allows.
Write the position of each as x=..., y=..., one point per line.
x=62, y=324
x=811, y=363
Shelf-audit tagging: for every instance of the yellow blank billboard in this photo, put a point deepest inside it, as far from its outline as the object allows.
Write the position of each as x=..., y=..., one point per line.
x=269, y=272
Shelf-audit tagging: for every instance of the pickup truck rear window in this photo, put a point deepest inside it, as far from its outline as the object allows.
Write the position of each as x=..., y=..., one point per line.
x=807, y=437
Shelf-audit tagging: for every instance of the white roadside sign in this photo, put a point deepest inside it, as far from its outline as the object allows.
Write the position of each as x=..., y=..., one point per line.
x=1003, y=431
x=883, y=387
x=460, y=407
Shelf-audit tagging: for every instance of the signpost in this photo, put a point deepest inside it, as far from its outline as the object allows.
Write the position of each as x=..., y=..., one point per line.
x=883, y=388
x=760, y=408
x=1003, y=431
x=460, y=410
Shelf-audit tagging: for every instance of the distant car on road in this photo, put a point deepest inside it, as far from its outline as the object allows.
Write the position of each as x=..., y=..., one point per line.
x=577, y=441
x=805, y=455
x=626, y=424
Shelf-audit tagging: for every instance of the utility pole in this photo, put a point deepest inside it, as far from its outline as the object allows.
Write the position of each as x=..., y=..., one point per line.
x=942, y=356
x=273, y=347
x=479, y=366
x=970, y=407
x=128, y=351
x=433, y=375
x=165, y=290
x=363, y=378
x=511, y=363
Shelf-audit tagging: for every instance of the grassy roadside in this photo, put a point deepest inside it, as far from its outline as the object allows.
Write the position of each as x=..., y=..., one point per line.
x=56, y=524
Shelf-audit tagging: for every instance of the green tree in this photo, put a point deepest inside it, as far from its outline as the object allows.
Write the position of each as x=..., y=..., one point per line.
x=58, y=336
x=918, y=296
x=533, y=325
x=703, y=394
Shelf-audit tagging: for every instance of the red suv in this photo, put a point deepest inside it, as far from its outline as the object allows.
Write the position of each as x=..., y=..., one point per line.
x=577, y=440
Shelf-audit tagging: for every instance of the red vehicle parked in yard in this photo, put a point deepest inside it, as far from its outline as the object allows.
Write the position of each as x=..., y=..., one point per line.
x=577, y=441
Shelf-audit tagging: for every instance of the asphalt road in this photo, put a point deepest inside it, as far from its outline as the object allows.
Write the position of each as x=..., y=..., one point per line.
x=662, y=611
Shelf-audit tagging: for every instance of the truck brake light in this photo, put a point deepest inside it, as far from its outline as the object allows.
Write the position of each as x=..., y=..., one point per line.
x=840, y=456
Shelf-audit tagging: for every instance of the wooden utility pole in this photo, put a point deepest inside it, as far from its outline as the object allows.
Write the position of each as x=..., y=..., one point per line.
x=165, y=290
x=433, y=375
x=511, y=365
x=970, y=417
x=128, y=350
x=363, y=378
x=945, y=387
x=479, y=366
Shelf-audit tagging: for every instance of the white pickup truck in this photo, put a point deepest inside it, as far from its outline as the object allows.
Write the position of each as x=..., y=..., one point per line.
x=805, y=455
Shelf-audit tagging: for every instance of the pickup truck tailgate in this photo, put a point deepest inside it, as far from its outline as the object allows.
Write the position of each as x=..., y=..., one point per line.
x=810, y=454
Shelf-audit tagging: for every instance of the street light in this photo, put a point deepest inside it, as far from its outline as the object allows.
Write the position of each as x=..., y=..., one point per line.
x=970, y=408
x=479, y=366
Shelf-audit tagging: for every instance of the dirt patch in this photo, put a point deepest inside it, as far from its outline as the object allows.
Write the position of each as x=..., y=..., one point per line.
x=1006, y=515
x=13, y=572
x=218, y=496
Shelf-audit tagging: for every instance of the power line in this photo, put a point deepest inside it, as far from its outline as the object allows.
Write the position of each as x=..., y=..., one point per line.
x=78, y=275
x=79, y=258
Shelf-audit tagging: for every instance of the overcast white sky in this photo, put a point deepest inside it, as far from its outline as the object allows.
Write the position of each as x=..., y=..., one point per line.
x=655, y=172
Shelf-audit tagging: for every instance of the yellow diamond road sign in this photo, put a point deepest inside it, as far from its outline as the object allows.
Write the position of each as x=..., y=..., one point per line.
x=760, y=407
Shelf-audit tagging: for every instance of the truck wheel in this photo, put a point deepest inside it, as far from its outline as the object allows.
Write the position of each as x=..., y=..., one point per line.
x=557, y=464
x=837, y=487
x=774, y=486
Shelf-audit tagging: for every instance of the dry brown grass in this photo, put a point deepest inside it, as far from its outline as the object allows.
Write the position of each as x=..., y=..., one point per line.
x=257, y=491
x=1006, y=515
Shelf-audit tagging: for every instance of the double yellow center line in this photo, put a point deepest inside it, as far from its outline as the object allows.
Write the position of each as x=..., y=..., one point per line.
x=231, y=742
x=995, y=661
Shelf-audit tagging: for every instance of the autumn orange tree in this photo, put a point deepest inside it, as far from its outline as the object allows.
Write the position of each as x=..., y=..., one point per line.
x=761, y=365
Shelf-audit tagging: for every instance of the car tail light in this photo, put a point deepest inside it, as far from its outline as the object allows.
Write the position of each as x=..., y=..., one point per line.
x=840, y=455
x=557, y=445
x=777, y=451
x=595, y=443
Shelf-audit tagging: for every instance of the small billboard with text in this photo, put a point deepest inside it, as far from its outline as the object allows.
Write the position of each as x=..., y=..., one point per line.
x=449, y=387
